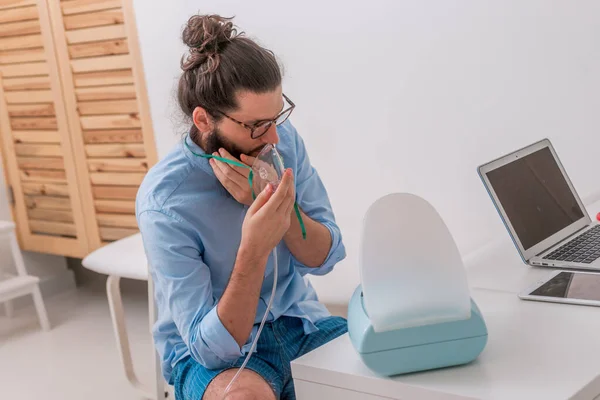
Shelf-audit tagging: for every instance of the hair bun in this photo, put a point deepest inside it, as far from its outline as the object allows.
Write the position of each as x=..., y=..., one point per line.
x=206, y=35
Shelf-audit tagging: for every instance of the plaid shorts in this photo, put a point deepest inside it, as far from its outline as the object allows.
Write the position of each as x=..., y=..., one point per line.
x=280, y=342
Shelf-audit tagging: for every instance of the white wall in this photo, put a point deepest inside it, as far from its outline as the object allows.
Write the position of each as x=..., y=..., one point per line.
x=411, y=96
x=159, y=31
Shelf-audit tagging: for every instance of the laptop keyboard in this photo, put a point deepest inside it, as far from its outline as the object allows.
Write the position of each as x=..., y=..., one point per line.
x=583, y=249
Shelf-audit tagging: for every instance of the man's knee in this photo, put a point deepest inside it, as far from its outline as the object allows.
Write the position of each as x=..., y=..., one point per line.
x=242, y=393
x=248, y=386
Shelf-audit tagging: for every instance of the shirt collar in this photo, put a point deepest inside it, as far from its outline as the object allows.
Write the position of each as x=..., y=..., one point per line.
x=194, y=153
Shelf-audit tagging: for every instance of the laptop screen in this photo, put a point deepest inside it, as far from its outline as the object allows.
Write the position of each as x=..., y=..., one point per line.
x=535, y=196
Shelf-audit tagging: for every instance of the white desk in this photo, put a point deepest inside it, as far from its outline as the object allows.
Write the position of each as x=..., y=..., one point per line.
x=535, y=350
x=499, y=266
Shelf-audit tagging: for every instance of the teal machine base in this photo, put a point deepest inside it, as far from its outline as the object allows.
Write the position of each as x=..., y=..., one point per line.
x=415, y=349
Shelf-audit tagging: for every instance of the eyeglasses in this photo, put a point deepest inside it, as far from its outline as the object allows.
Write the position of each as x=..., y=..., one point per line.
x=261, y=127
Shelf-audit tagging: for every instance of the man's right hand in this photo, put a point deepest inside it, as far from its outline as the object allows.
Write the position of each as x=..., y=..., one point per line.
x=268, y=218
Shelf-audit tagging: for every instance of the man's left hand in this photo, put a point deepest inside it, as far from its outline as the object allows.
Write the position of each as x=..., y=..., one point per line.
x=233, y=178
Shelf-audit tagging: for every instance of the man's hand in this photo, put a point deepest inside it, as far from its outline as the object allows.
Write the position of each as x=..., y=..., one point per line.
x=234, y=179
x=268, y=218
x=265, y=223
x=311, y=251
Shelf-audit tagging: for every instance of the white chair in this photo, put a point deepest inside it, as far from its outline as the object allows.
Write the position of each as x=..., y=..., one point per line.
x=21, y=284
x=126, y=258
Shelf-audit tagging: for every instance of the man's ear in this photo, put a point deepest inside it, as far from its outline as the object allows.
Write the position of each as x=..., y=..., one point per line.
x=202, y=120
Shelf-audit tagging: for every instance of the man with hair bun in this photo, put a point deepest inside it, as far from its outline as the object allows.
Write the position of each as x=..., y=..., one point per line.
x=209, y=242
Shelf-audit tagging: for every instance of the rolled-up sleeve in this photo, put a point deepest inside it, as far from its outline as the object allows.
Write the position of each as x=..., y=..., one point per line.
x=183, y=288
x=314, y=201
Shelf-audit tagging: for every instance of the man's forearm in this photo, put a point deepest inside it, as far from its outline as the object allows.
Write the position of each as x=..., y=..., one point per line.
x=313, y=250
x=237, y=307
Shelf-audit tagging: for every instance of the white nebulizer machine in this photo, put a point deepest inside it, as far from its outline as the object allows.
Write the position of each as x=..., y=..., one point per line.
x=413, y=310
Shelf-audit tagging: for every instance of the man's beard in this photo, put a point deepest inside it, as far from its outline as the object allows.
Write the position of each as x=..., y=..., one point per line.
x=215, y=141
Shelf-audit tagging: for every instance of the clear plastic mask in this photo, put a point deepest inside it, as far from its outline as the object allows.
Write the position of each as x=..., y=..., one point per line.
x=267, y=168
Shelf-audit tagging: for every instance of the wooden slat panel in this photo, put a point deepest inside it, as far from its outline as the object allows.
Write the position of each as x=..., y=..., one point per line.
x=118, y=165
x=20, y=28
x=119, y=92
x=115, y=192
x=107, y=107
x=86, y=6
x=7, y=163
x=55, y=228
x=115, y=150
x=36, y=137
x=20, y=42
x=31, y=110
x=58, y=245
x=117, y=220
x=94, y=49
x=116, y=233
x=48, y=150
x=41, y=175
x=29, y=83
x=106, y=17
x=50, y=215
x=27, y=69
x=96, y=34
x=115, y=206
x=48, y=202
x=4, y=4
x=21, y=56
x=29, y=96
x=111, y=121
x=18, y=14
x=116, y=178
x=41, y=163
x=45, y=189
x=113, y=136
x=84, y=207
x=92, y=64
x=33, y=123
x=103, y=78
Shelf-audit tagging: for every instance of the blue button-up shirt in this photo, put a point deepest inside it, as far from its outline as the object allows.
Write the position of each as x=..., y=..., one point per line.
x=191, y=228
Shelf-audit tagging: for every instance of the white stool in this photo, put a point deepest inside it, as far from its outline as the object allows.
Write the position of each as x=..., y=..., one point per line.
x=21, y=284
x=126, y=258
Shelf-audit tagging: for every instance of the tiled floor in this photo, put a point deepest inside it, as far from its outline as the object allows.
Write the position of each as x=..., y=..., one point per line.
x=78, y=358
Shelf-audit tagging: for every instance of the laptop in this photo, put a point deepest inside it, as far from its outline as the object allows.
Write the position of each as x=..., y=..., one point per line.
x=541, y=209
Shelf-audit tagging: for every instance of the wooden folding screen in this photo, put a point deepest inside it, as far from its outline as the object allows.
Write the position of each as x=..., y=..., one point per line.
x=37, y=153
x=80, y=139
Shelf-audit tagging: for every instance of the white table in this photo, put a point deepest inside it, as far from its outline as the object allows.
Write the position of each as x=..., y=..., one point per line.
x=499, y=266
x=535, y=350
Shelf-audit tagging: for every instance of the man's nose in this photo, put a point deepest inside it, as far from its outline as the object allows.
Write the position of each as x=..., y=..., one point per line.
x=271, y=137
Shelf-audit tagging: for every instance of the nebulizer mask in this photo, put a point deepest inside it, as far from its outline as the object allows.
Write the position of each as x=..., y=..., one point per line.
x=267, y=168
